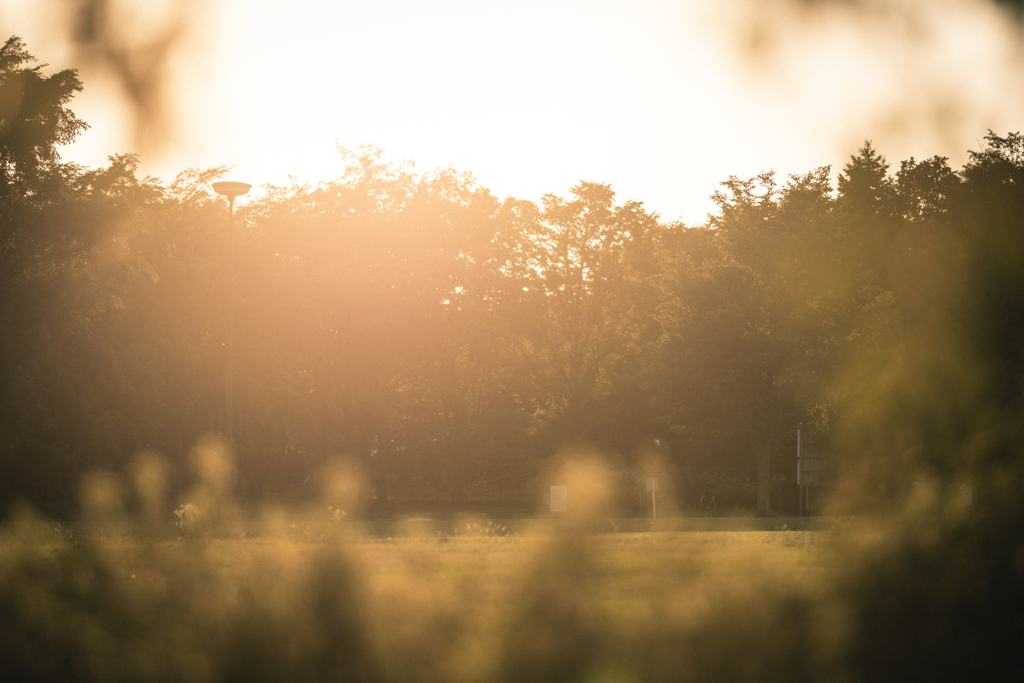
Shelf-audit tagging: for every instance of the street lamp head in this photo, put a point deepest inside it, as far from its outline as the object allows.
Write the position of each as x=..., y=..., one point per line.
x=231, y=189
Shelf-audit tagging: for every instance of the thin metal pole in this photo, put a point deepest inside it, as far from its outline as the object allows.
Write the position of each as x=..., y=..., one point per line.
x=799, y=483
x=231, y=322
x=654, y=504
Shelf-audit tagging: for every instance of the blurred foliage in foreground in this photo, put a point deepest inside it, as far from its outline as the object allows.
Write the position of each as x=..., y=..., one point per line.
x=932, y=592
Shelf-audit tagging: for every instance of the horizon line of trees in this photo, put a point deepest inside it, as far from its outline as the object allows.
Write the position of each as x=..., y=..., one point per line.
x=452, y=342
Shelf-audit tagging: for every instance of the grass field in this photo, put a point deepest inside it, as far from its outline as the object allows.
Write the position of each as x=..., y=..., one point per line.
x=395, y=594
x=464, y=599
x=487, y=567
x=468, y=599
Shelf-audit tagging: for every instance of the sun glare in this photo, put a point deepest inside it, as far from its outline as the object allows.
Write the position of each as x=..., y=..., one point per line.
x=661, y=99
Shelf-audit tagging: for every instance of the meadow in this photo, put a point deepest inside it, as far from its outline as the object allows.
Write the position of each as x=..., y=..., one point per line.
x=329, y=590
x=315, y=597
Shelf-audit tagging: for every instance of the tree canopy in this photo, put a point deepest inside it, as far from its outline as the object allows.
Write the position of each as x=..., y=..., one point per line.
x=450, y=342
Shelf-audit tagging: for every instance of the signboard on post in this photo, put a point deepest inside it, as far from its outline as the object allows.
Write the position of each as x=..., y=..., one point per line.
x=559, y=498
x=810, y=473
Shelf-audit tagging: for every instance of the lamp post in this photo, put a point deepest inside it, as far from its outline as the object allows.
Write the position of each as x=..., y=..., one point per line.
x=230, y=189
x=800, y=494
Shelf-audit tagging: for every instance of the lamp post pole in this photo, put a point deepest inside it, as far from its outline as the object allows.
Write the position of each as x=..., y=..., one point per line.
x=799, y=482
x=230, y=190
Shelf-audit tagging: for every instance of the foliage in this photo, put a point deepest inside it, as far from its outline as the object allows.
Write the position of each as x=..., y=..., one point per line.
x=34, y=118
x=188, y=518
x=443, y=340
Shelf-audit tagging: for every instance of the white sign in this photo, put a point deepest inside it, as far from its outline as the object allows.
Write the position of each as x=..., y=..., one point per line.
x=652, y=484
x=559, y=498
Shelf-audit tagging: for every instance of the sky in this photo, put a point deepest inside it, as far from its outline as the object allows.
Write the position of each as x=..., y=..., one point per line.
x=661, y=99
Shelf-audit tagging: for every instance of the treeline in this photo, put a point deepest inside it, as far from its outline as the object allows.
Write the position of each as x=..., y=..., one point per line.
x=452, y=342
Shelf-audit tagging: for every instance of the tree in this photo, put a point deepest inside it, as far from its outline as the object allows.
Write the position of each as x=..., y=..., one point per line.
x=34, y=118
x=61, y=271
x=585, y=309
x=749, y=327
x=70, y=264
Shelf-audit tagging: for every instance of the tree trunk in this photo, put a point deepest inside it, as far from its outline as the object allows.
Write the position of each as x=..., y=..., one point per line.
x=764, y=448
x=458, y=483
x=362, y=449
x=381, y=475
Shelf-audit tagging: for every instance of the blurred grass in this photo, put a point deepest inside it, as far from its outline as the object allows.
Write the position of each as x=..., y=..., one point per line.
x=546, y=525
x=318, y=594
x=478, y=602
x=321, y=598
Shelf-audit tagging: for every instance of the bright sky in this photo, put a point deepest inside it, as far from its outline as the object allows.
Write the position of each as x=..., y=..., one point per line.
x=663, y=99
